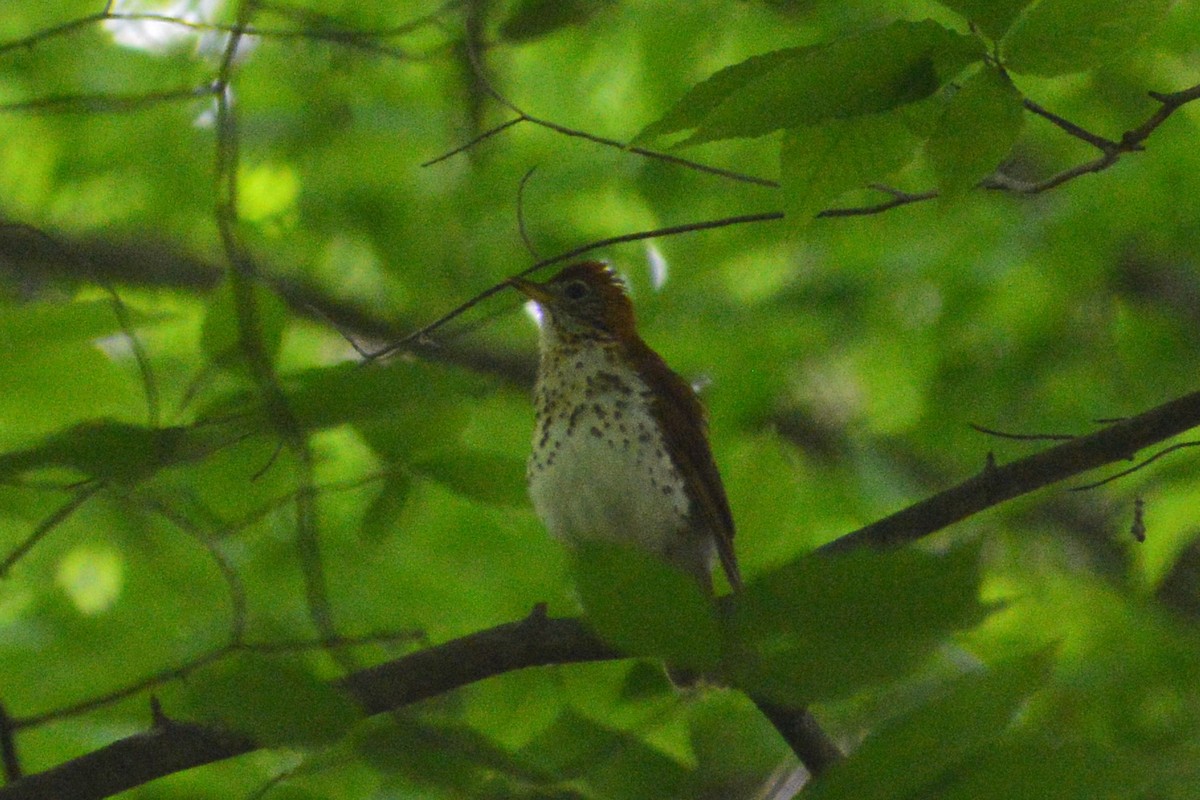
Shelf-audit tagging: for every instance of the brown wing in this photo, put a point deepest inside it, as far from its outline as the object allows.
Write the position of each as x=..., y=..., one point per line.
x=686, y=436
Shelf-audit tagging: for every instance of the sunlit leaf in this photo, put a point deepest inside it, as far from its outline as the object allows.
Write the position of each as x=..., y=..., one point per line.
x=1054, y=37
x=862, y=74
x=613, y=762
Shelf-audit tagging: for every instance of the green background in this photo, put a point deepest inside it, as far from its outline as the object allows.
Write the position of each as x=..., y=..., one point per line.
x=1035, y=650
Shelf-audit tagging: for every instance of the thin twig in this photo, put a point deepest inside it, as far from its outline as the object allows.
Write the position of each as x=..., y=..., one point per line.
x=521, y=229
x=56, y=518
x=140, y=356
x=1025, y=437
x=899, y=198
x=522, y=116
x=1136, y=467
x=462, y=148
x=359, y=39
x=422, y=334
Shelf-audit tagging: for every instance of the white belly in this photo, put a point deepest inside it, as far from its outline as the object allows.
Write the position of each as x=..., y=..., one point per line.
x=600, y=470
x=611, y=486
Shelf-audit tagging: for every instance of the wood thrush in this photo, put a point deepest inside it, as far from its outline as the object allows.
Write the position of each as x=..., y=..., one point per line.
x=620, y=448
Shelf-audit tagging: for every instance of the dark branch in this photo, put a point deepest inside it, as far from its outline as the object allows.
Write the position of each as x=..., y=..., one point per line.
x=173, y=747
x=995, y=484
x=8, y=748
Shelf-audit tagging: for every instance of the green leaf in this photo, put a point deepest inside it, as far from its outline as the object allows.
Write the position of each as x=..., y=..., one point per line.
x=379, y=520
x=276, y=700
x=644, y=607
x=221, y=336
x=862, y=74
x=1055, y=37
x=415, y=403
x=911, y=753
x=825, y=626
x=615, y=763
x=1027, y=764
x=55, y=375
x=705, y=97
x=438, y=754
x=975, y=132
x=532, y=19
x=993, y=17
x=821, y=162
x=53, y=323
x=484, y=477
x=108, y=450
x=403, y=410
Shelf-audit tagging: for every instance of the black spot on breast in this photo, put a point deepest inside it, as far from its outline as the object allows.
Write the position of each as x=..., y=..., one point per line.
x=596, y=432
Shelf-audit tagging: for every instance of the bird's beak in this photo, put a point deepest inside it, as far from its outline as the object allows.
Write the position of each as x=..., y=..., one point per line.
x=534, y=291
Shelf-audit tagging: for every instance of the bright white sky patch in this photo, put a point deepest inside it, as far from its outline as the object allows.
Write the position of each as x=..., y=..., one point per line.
x=163, y=35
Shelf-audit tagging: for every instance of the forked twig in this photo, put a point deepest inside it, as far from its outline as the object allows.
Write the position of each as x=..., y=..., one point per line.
x=1138, y=466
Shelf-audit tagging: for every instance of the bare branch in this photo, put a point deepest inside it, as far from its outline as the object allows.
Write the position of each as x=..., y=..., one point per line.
x=1099, y=142
x=999, y=483
x=170, y=746
x=174, y=747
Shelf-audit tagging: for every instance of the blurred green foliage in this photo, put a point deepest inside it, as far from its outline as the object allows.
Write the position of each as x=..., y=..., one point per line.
x=153, y=491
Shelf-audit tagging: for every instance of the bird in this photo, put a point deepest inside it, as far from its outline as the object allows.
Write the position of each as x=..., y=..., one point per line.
x=620, y=445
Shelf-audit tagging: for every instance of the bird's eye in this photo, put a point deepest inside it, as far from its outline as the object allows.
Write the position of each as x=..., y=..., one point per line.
x=576, y=290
